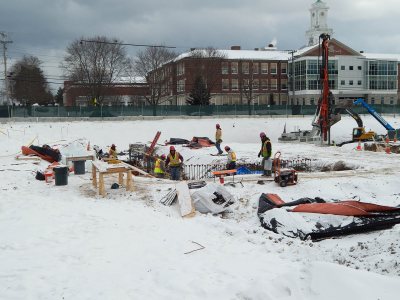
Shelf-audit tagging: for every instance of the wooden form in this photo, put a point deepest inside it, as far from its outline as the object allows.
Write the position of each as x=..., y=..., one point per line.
x=104, y=168
x=79, y=158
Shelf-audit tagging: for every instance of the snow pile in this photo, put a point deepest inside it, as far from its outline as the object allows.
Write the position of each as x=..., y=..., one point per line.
x=67, y=242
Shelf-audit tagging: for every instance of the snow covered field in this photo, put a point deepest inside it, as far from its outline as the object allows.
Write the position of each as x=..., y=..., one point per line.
x=65, y=242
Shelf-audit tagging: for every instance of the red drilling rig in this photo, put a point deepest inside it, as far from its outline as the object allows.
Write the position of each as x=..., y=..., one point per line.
x=323, y=116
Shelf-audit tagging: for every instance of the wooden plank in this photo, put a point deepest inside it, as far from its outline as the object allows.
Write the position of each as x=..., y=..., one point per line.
x=129, y=181
x=23, y=157
x=102, y=190
x=185, y=200
x=94, y=177
x=140, y=171
x=223, y=172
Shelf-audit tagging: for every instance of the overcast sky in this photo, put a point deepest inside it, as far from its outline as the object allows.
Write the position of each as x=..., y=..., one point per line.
x=44, y=28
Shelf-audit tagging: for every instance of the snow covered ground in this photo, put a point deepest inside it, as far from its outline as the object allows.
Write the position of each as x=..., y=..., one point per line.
x=65, y=242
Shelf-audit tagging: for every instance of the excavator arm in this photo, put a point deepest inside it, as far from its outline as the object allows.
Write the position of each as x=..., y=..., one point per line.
x=355, y=116
x=373, y=112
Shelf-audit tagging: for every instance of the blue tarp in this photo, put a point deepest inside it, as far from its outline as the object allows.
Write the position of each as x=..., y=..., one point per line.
x=245, y=171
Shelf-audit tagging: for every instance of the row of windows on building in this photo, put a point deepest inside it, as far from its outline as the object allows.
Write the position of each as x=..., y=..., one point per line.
x=244, y=68
x=377, y=68
x=256, y=68
x=234, y=84
x=255, y=84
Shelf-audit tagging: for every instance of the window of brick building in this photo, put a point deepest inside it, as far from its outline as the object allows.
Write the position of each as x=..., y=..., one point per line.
x=283, y=68
x=245, y=68
x=234, y=67
x=264, y=84
x=224, y=68
x=225, y=84
x=245, y=84
x=283, y=84
x=264, y=68
x=256, y=67
x=181, y=85
x=256, y=84
x=235, y=84
x=180, y=70
x=274, y=84
x=274, y=68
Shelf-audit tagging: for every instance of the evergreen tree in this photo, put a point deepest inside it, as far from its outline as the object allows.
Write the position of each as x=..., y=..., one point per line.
x=27, y=82
x=199, y=95
x=58, y=98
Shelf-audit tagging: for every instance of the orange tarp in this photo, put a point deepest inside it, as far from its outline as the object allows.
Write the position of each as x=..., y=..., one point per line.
x=344, y=208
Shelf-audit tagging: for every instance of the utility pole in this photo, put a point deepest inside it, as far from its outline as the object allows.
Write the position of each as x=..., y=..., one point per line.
x=292, y=77
x=4, y=42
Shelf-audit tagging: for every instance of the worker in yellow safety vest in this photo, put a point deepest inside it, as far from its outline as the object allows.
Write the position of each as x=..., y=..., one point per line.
x=231, y=162
x=174, y=161
x=159, y=167
x=265, y=153
x=113, y=152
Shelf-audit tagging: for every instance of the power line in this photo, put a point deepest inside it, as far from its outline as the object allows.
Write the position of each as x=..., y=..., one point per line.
x=127, y=44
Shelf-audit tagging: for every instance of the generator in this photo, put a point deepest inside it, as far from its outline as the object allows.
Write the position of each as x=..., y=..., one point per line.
x=283, y=176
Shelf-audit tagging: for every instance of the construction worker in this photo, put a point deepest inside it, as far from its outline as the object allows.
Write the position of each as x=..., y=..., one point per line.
x=265, y=152
x=231, y=161
x=159, y=167
x=218, y=138
x=174, y=161
x=113, y=152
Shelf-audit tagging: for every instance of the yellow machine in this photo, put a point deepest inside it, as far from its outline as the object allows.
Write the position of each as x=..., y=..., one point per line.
x=359, y=134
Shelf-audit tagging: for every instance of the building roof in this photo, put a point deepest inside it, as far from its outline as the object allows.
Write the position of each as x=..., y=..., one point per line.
x=247, y=54
x=382, y=56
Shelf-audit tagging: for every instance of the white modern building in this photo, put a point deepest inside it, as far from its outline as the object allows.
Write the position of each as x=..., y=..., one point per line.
x=352, y=74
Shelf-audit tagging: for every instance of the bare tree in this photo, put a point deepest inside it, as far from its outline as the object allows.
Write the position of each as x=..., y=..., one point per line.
x=206, y=64
x=27, y=82
x=97, y=63
x=150, y=64
x=248, y=84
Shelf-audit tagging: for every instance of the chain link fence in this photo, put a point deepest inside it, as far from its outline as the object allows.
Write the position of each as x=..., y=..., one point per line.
x=169, y=110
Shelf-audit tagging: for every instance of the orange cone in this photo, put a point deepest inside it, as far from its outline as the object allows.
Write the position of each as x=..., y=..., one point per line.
x=359, y=146
x=387, y=149
x=387, y=140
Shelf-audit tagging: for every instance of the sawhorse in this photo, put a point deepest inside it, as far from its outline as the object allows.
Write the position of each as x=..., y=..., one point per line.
x=222, y=173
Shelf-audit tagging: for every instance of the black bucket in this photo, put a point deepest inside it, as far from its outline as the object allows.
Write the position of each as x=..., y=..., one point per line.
x=79, y=167
x=61, y=175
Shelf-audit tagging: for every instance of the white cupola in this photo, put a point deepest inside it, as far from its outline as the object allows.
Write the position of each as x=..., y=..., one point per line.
x=319, y=24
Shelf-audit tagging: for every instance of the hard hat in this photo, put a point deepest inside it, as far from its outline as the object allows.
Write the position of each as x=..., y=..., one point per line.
x=227, y=148
x=172, y=148
x=262, y=134
x=217, y=125
x=163, y=156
